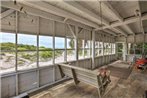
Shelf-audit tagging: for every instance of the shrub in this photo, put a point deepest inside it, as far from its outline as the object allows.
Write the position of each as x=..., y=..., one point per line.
x=46, y=54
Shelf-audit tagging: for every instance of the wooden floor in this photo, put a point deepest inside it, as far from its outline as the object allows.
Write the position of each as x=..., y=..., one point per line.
x=124, y=84
x=69, y=90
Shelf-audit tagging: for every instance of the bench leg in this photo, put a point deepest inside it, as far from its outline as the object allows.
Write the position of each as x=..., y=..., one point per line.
x=75, y=77
x=99, y=94
x=61, y=71
x=99, y=88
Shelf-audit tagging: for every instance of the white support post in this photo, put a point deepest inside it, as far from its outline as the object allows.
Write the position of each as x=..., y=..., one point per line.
x=134, y=47
x=0, y=86
x=116, y=51
x=16, y=40
x=90, y=48
x=54, y=42
x=83, y=46
x=103, y=60
x=143, y=50
x=38, y=73
x=76, y=44
x=65, y=55
x=125, y=50
x=93, y=49
x=54, y=71
x=111, y=49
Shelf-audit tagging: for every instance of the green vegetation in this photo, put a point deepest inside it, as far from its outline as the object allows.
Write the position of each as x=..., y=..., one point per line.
x=7, y=46
x=80, y=43
x=71, y=43
x=46, y=54
x=138, y=48
x=26, y=47
x=120, y=47
x=28, y=55
x=11, y=46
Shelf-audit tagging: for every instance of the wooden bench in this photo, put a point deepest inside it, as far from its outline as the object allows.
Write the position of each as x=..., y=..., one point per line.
x=84, y=75
x=23, y=95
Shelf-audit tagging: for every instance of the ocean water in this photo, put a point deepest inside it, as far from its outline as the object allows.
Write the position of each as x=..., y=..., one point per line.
x=46, y=41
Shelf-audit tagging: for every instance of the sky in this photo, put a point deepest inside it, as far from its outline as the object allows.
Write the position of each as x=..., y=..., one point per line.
x=45, y=41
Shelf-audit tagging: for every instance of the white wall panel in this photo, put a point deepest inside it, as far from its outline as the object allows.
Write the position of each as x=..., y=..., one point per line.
x=97, y=63
x=139, y=38
x=60, y=29
x=27, y=24
x=46, y=26
x=8, y=86
x=120, y=39
x=68, y=31
x=88, y=34
x=130, y=39
x=85, y=63
x=81, y=35
x=8, y=23
x=46, y=76
x=27, y=81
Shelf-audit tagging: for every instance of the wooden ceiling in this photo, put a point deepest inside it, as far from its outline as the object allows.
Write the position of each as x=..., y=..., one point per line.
x=118, y=17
